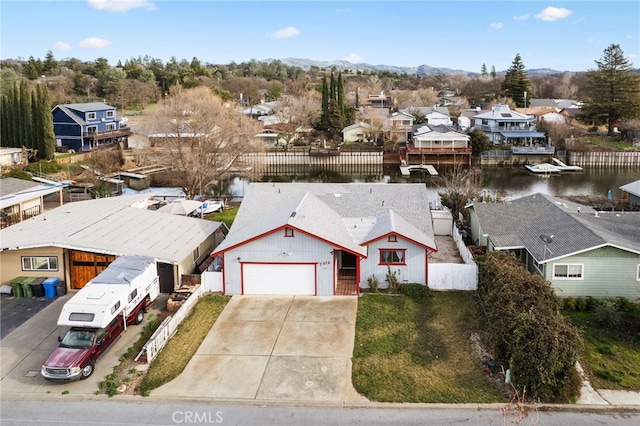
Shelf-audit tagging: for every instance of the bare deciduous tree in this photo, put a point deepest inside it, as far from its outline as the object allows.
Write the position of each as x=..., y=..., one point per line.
x=200, y=137
x=459, y=186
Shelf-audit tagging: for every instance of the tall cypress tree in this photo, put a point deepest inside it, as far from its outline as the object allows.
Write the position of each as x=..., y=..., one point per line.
x=47, y=135
x=26, y=137
x=4, y=119
x=36, y=140
x=15, y=116
x=340, y=97
x=325, y=104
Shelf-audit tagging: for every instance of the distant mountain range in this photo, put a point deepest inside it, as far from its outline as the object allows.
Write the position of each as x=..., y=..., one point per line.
x=422, y=70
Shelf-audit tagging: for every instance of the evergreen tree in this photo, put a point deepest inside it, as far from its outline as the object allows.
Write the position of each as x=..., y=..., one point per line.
x=613, y=90
x=493, y=71
x=516, y=83
x=50, y=65
x=4, y=119
x=334, y=120
x=25, y=121
x=36, y=140
x=15, y=114
x=340, y=97
x=32, y=70
x=46, y=134
x=483, y=71
x=325, y=105
x=357, y=98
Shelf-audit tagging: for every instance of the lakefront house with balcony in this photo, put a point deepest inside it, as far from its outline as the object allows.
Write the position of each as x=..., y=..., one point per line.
x=87, y=126
x=504, y=126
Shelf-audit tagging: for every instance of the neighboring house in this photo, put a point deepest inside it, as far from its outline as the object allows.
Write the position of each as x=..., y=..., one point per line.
x=76, y=241
x=326, y=239
x=357, y=132
x=83, y=127
x=261, y=109
x=278, y=134
x=12, y=157
x=504, y=126
x=436, y=115
x=437, y=145
x=22, y=199
x=580, y=251
x=631, y=193
x=400, y=125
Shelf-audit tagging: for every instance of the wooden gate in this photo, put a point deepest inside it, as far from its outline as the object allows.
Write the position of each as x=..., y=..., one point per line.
x=85, y=266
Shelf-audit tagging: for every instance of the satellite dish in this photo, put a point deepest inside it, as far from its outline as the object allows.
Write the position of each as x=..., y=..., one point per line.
x=548, y=239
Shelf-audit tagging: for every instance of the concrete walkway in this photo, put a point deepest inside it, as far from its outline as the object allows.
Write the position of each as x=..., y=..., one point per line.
x=295, y=348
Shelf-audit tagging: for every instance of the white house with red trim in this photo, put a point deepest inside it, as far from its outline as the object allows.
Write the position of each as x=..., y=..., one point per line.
x=326, y=238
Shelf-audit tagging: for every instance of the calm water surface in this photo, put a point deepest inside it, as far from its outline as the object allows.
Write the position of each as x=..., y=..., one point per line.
x=509, y=182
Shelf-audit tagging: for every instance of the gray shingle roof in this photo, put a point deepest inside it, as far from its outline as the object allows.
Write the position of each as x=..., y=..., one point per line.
x=575, y=228
x=9, y=185
x=344, y=214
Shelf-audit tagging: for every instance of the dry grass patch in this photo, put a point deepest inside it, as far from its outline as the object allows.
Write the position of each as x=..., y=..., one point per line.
x=417, y=349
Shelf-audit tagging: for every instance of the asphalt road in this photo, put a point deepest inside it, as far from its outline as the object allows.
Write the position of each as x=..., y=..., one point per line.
x=141, y=412
x=16, y=310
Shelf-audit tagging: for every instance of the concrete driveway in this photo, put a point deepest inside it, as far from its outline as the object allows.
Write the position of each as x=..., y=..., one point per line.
x=292, y=348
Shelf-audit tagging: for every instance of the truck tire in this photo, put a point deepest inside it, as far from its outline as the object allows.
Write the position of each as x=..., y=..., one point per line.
x=140, y=316
x=87, y=370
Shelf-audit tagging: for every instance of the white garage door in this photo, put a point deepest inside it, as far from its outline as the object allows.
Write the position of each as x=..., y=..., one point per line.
x=284, y=278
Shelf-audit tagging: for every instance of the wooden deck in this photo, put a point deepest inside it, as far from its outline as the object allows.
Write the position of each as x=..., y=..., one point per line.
x=347, y=285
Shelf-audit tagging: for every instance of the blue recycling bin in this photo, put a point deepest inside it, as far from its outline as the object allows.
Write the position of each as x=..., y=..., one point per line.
x=50, y=287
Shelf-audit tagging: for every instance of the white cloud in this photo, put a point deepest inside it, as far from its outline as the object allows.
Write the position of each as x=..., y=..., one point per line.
x=116, y=6
x=521, y=17
x=284, y=33
x=61, y=45
x=496, y=25
x=95, y=43
x=353, y=58
x=551, y=13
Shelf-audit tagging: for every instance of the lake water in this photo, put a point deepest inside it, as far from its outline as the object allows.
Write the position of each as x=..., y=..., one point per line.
x=507, y=182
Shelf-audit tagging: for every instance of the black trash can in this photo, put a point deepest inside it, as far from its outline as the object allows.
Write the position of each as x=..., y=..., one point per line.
x=61, y=288
x=37, y=288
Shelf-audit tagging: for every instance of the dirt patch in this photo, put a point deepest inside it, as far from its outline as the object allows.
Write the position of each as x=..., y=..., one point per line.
x=447, y=251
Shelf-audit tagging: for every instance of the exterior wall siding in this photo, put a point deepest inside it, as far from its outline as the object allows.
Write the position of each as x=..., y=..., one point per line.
x=11, y=261
x=607, y=272
x=413, y=271
x=274, y=248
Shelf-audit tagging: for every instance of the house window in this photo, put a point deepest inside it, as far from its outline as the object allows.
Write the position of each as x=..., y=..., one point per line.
x=196, y=254
x=392, y=239
x=111, y=126
x=568, y=272
x=39, y=263
x=406, y=122
x=288, y=232
x=92, y=130
x=392, y=257
x=91, y=116
x=110, y=114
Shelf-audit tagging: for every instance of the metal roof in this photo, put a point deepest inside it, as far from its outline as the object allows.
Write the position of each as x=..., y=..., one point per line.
x=15, y=191
x=632, y=188
x=116, y=225
x=330, y=211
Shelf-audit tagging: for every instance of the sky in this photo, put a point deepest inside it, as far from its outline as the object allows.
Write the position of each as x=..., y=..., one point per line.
x=464, y=35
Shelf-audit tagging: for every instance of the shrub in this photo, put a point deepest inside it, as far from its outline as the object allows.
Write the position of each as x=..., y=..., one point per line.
x=569, y=304
x=392, y=280
x=18, y=174
x=374, y=283
x=415, y=291
x=581, y=304
x=44, y=167
x=527, y=328
x=608, y=314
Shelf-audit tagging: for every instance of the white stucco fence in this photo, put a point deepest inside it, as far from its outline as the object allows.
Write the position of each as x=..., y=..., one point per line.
x=211, y=281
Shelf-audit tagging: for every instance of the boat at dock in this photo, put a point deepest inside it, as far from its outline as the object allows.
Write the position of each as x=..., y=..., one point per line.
x=547, y=168
x=406, y=170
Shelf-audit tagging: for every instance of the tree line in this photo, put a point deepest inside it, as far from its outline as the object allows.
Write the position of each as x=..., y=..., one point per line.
x=27, y=121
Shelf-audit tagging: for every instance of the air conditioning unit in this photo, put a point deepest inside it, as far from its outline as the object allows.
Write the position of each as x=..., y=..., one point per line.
x=103, y=119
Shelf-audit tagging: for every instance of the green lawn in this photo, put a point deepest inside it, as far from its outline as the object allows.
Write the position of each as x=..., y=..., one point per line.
x=417, y=349
x=226, y=216
x=611, y=357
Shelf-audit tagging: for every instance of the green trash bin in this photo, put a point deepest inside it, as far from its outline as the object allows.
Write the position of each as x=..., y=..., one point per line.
x=16, y=286
x=26, y=288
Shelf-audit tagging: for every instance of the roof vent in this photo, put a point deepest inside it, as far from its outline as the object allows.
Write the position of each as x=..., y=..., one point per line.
x=293, y=214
